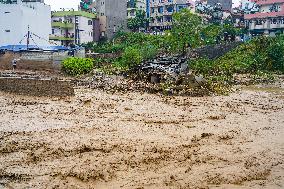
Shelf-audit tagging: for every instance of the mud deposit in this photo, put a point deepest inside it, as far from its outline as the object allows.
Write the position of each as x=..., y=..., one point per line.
x=135, y=141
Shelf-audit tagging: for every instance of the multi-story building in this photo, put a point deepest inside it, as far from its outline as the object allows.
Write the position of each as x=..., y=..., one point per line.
x=148, y=8
x=133, y=6
x=112, y=15
x=73, y=27
x=18, y=17
x=226, y=4
x=266, y=18
x=161, y=12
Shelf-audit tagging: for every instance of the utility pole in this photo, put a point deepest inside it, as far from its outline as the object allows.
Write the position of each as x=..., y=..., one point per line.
x=28, y=37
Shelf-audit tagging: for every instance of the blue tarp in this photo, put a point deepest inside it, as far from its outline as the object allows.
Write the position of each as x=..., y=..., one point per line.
x=17, y=48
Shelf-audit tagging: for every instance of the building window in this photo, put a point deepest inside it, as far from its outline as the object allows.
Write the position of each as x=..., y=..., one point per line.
x=90, y=22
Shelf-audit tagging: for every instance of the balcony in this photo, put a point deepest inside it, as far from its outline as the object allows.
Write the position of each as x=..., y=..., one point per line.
x=73, y=13
x=62, y=25
x=167, y=13
x=61, y=38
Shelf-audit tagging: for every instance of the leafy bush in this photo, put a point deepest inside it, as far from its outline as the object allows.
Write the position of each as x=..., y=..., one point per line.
x=131, y=57
x=275, y=54
x=149, y=52
x=202, y=66
x=77, y=66
x=261, y=55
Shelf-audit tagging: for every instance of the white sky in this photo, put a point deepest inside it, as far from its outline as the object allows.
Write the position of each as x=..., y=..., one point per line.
x=57, y=4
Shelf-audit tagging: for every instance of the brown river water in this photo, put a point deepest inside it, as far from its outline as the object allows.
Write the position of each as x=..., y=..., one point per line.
x=97, y=140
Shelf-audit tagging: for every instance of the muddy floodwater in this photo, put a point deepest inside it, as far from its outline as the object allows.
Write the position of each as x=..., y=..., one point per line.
x=97, y=140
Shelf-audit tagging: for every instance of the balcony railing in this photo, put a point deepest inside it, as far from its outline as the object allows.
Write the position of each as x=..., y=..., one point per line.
x=62, y=25
x=61, y=38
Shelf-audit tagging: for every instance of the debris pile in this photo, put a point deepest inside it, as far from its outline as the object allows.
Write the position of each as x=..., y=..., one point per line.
x=168, y=69
x=169, y=75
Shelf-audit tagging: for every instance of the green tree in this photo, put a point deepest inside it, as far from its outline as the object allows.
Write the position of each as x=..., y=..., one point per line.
x=138, y=22
x=6, y=1
x=211, y=34
x=185, y=31
x=85, y=5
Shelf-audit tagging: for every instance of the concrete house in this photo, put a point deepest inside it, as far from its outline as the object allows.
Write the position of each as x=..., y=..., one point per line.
x=161, y=12
x=133, y=6
x=74, y=27
x=112, y=15
x=19, y=15
x=267, y=17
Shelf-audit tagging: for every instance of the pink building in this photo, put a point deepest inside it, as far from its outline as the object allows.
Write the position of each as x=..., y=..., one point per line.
x=269, y=19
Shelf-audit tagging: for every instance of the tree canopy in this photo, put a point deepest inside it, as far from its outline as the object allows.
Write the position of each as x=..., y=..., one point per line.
x=138, y=22
x=185, y=30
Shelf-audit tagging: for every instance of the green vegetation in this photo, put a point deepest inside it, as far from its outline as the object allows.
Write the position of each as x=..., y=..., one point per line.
x=260, y=57
x=130, y=57
x=138, y=22
x=185, y=31
x=77, y=66
x=131, y=48
x=188, y=31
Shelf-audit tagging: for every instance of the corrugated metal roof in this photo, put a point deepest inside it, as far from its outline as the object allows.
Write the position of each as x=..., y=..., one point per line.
x=18, y=48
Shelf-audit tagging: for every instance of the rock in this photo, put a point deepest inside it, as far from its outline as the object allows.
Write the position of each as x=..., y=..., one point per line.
x=200, y=80
x=155, y=78
x=184, y=68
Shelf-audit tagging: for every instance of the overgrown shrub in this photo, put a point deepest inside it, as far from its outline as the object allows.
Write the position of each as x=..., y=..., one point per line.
x=77, y=66
x=275, y=54
x=131, y=57
x=149, y=52
x=261, y=55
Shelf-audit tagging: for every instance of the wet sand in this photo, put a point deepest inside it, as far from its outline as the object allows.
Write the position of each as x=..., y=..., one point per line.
x=134, y=141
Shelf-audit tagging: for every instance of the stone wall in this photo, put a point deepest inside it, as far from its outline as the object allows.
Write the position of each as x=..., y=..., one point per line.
x=36, y=87
x=213, y=51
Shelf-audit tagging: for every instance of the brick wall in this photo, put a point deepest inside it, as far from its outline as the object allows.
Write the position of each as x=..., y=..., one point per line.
x=36, y=87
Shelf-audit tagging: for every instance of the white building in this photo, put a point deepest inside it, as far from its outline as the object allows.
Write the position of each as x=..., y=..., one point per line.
x=15, y=18
x=73, y=27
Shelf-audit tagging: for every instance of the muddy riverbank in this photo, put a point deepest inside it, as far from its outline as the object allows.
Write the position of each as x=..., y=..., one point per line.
x=138, y=140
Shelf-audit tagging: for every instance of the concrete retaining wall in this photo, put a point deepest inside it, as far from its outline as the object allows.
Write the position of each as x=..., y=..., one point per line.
x=36, y=87
x=37, y=61
x=103, y=55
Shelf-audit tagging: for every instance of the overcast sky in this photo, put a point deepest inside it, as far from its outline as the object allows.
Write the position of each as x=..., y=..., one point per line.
x=57, y=4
